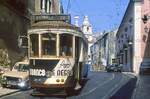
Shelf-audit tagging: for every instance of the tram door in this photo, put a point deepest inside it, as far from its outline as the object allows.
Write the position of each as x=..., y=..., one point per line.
x=77, y=55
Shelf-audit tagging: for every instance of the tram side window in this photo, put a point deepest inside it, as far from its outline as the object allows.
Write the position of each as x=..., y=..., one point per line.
x=48, y=44
x=66, y=45
x=34, y=45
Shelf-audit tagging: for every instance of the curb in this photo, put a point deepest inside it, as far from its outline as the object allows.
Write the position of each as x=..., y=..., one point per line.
x=134, y=91
x=126, y=90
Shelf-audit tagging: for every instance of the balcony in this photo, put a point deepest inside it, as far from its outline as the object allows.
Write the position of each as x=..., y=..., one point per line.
x=51, y=17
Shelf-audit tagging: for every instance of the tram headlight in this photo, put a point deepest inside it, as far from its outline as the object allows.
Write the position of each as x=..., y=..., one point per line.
x=22, y=84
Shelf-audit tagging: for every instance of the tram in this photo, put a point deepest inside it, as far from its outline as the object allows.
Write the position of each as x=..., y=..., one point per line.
x=57, y=52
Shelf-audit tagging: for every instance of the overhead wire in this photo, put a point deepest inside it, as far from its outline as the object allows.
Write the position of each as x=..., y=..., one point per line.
x=79, y=8
x=68, y=6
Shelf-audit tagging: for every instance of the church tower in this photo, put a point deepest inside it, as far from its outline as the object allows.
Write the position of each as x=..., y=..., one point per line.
x=87, y=30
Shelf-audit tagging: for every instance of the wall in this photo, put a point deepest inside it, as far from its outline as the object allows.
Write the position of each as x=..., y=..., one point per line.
x=12, y=24
x=145, y=40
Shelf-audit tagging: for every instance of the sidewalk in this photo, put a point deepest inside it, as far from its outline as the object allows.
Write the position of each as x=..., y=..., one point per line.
x=142, y=90
x=7, y=91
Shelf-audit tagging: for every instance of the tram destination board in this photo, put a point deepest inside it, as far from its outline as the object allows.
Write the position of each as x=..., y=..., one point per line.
x=47, y=17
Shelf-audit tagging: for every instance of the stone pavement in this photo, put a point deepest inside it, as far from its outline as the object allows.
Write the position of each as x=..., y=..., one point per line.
x=142, y=90
x=102, y=84
x=7, y=91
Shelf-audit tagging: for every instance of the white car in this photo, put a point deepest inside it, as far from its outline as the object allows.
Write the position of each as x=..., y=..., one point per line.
x=18, y=77
x=114, y=68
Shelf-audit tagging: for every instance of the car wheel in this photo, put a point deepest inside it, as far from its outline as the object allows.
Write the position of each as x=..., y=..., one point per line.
x=4, y=86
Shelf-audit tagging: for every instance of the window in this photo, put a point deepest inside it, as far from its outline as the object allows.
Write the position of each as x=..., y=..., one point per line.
x=122, y=36
x=46, y=5
x=48, y=44
x=34, y=40
x=66, y=45
x=126, y=29
x=23, y=67
x=131, y=20
x=126, y=56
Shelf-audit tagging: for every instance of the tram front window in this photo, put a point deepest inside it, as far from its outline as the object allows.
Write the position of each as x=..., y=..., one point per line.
x=34, y=51
x=66, y=45
x=48, y=44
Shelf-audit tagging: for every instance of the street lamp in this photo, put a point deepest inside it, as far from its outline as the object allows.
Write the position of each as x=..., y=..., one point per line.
x=130, y=43
x=146, y=29
x=145, y=18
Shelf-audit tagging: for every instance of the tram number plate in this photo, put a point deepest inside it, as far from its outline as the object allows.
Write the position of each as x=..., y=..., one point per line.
x=37, y=72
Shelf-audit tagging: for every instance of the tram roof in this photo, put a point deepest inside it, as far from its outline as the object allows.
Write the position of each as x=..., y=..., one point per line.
x=54, y=24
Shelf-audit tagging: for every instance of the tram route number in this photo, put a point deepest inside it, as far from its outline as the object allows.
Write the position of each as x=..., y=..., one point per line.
x=37, y=72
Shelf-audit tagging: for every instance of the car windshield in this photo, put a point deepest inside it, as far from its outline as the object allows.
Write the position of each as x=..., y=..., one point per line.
x=23, y=67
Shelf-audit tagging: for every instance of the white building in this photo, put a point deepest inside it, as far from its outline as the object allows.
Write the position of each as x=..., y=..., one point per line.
x=87, y=30
x=133, y=37
x=103, y=50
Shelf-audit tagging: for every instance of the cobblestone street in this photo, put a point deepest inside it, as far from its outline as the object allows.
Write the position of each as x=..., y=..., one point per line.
x=100, y=85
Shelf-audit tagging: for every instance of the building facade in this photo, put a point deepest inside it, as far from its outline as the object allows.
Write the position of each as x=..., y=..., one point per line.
x=103, y=50
x=95, y=56
x=133, y=37
x=111, y=47
x=14, y=21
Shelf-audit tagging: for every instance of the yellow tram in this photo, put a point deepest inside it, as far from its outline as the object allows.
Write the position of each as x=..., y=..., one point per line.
x=57, y=52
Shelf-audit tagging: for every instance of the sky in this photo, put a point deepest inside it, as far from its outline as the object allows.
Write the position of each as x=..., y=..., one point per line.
x=104, y=15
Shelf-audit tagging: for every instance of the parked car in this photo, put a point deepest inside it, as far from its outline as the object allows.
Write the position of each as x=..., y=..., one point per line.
x=145, y=68
x=114, y=68
x=18, y=77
